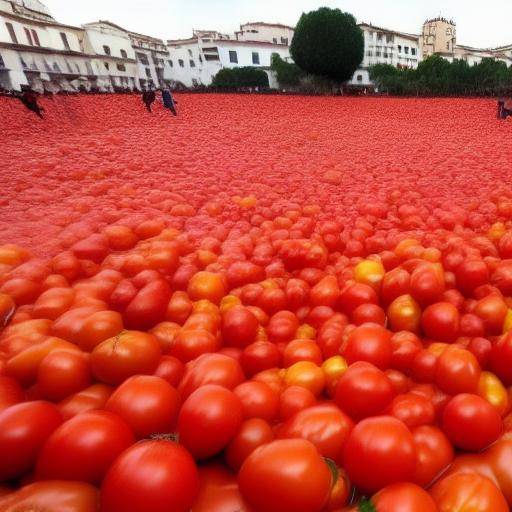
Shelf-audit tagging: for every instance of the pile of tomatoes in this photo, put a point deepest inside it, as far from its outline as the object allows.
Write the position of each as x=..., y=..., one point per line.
x=272, y=333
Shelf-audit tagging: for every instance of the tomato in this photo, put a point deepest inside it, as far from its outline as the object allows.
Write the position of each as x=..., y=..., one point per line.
x=404, y=314
x=403, y=497
x=84, y=447
x=287, y=475
x=208, y=420
x=179, y=307
x=253, y=433
x=412, y=409
x=405, y=346
x=24, y=428
x=470, y=275
x=190, y=344
x=211, y=369
x=354, y=295
x=63, y=373
x=301, y=350
x=53, y=302
x=206, y=285
x=258, y=400
x=260, y=356
x=363, y=390
x=282, y=327
x=324, y=425
x=461, y=492
x=325, y=292
x=434, y=453
x=55, y=495
x=440, y=322
x=379, y=442
x=170, y=369
x=471, y=423
x=94, y=397
x=307, y=375
x=127, y=354
x=491, y=389
x=127, y=487
x=427, y=283
x=148, y=405
x=239, y=327
x=457, y=371
x=370, y=343
x=10, y=392
x=98, y=327
x=501, y=359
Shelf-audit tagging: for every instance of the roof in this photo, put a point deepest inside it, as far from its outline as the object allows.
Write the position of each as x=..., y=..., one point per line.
x=147, y=38
x=396, y=32
x=37, y=21
x=277, y=25
x=249, y=43
x=183, y=41
x=440, y=18
x=106, y=22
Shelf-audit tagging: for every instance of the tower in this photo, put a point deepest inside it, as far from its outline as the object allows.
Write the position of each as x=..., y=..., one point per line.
x=439, y=36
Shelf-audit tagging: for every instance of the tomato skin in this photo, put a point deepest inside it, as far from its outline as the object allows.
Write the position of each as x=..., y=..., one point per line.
x=239, y=327
x=370, y=343
x=471, y=423
x=190, y=344
x=404, y=314
x=208, y=420
x=54, y=496
x=440, y=322
x=403, y=497
x=461, y=492
x=260, y=356
x=24, y=429
x=84, y=447
x=301, y=350
x=127, y=354
x=457, y=371
x=94, y=397
x=500, y=360
x=258, y=400
x=380, y=441
x=492, y=309
x=269, y=484
x=324, y=425
x=10, y=392
x=128, y=484
x=363, y=391
x=98, y=327
x=253, y=433
x=405, y=345
x=412, y=409
x=170, y=369
x=148, y=405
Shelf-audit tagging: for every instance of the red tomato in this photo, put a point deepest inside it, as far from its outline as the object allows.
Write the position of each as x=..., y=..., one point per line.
x=10, y=392
x=412, y=409
x=500, y=360
x=260, y=356
x=148, y=405
x=253, y=433
x=457, y=371
x=190, y=344
x=84, y=447
x=127, y=354
x=24, y=428
x=440, y=322
x=285, y=476
x=379, y=442
x=94, y=397
x=258, y=400
x=301, y=350
x=170, y=369
x=492, y=309
x=239, y=327
x=403, y=497
x=55, y=495
x=127, y=487
x=294, y=399
x=370, y=343
x=363, y=391
x=405, y=346
x=471, y=423
x=209, y=419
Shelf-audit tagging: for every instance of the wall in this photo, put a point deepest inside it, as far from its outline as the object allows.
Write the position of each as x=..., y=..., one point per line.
x=265, y=33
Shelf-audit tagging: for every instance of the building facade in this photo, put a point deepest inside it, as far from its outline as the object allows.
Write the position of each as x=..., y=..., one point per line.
x=195, y=61
x=265, y=32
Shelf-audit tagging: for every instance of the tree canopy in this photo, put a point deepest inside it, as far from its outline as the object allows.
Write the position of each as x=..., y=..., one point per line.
x=328, y=42
x=234, y=78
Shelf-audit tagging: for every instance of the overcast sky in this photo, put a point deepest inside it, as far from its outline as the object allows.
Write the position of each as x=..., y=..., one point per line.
x=479, y=23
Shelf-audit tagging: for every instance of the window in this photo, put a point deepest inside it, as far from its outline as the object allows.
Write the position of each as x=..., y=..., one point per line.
x=124, y=54
x=47, y=66
x=64, y=38
x=369, y=53
x=190, y=52
x=192, y=63
x=448, y=31
x=143, y=59
x=70, y=69
x=207, y=40
x=121, y=67
x=413, y=51
x=2, y=63
x=233, y=57
x=274, y=39
x=29, y=37
x=378, y=53
x=56, y=68
x=181, y=63
x=89, y=68
x=10, y=28
x=107, y=65
x=448, y=46
x=77, y=66
x=148, y=72
x=171, y=63
x=33, y=66
x=35, y=37
x=255, y=58
x=200, y=59
x=106, y=49
x=211, y=57
x=23, y=63
x=406, y=49
x=359, y=78
x=399, y=48
x=284, y=40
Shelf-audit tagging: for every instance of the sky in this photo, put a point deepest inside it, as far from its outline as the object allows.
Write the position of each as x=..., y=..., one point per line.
x=482, y=24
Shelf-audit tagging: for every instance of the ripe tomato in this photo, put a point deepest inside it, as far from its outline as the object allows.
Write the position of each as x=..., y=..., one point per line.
x=170, y=369
x=260, y=356
x=404, y=314
x=370, y=343
x=206, y=285
x=94, y=397
x=127, y=354
x=471, y=423
x=301, y=350
x=294, y=399
x=258, y=400
x=285, y=476
x=209, y=419
x=24, y=428
x=10, y=392
x=440, y=322
x=501, y=359
x=307, y=375
x=363, y=391
x=239, y=327
x=403, y=497
x=190, y=344
x=127, y=487
x=84, y=447
x=457, y=371
x=379, y=442
x=55, y=495
x=412, y=409
x=461, y=492
x=148, y=405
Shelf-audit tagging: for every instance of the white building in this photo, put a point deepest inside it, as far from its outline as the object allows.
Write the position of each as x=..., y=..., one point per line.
x=265, y=32
x=37, y=51
x=385, y=46
x=195, y=61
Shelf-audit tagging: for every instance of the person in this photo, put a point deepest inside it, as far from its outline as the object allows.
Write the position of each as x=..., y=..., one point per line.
x=148, y=98
x=169, y=101
x=29, y=99
x=504, y=108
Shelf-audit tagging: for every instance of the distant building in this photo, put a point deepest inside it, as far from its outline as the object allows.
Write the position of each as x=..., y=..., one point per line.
x=265, y=32
x=195, y=61
x=385, y=46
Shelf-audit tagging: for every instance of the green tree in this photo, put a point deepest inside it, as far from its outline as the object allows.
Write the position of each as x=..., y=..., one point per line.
x=328, y=42
x=234, y=78
x=287, y=73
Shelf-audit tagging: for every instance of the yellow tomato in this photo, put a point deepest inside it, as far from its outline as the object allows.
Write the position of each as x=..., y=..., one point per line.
x=307, y=375
x=228, y=302
x=205, y=306
x=404, y=314
x=369, y=272
x=491, y=389
x=333, y=369
x=305, y=332
x=507, y=324
x=206, y=285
